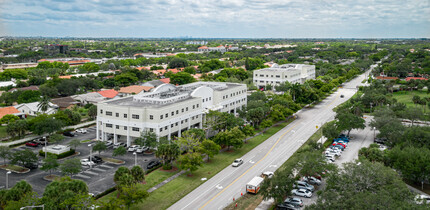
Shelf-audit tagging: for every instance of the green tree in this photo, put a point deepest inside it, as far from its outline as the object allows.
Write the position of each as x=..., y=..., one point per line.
x=132, y=195
x=44, y=104
x=9, y=118
x=50, y=164
x=120, y=151
x=372, y=153
x=90, y=67
x=92, y=111
x=209, y=148
x=17, y=128
x=75, y=143
x=190, y=70
x=412, y=114
x=24, y=157
x=364, y=186
x=56, y=138
x=167, y=152
x=190, y=161
x=147, y=138
x=5, y=153
x=59, y=193
x=99, y=147
x=330, y=130
x=71, y=166
x=138, y=174
x=348, y=121
x=181, y=78
x=279, y=186
x=266, y=123
x=28, y=96
x=126, y=79
x=16, y=197
x=188, y=142
x=120, y=173
x=43, y=124
x=177, y=62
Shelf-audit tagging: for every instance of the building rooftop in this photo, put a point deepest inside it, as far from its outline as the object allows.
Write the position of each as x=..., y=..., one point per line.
x=134, y=89
x=8, y=110
x=168, y=94
x=283, y=67
x=108, y=93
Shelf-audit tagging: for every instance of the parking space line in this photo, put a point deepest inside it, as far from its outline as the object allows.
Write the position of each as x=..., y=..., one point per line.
x=82, y=176
x=106, y=166
x=99, y=169
x=90, y=172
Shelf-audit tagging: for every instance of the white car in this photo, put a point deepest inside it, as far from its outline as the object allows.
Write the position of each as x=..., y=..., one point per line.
x=86, y=162
x=119, y=144
x=81, y=130
x=237, y=162
x=420, y=199
x=267, y=174
x=302, y=192
x=133, y=148
x=109, y=143
x=332, y=152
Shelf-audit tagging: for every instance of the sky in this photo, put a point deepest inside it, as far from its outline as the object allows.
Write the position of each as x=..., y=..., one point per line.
x=216, y=18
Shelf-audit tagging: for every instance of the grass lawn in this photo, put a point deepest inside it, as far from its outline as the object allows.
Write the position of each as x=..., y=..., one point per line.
x=86, y=141
x=173, y=191
x=406, y=97
x=14, y=168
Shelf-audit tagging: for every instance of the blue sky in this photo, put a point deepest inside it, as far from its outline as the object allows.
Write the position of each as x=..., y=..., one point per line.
x=217, y=18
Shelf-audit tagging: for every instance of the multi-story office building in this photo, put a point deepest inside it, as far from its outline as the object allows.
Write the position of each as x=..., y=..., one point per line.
x=278, y=74
x=167, y=110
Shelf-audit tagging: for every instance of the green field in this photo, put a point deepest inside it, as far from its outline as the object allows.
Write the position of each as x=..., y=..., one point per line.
x=406, y=97
x=173, y=191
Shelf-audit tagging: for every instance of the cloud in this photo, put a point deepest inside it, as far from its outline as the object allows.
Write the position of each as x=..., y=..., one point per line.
x=222, y=18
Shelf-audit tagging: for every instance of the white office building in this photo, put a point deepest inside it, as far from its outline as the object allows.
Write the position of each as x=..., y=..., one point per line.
x=278, y=74
x=167, y=110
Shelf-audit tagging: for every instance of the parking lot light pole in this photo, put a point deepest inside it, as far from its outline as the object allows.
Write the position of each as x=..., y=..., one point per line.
x=91, y=154
x=135, y=158
x=7, y=179
x=374, y=133
x=46, y=151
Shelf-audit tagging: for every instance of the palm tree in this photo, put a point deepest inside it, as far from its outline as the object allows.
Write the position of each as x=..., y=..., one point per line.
x=43, y=104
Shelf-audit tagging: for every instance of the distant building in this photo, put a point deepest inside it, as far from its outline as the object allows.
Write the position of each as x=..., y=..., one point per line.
x=65, y=102
x=386, y=78
x=278, y=74
x=24, y=88
x=415, y=78
x=220, y=48
x=17, y=66
x=10, y=110
x=133, y=90
x=56, y=48
x=33, y=108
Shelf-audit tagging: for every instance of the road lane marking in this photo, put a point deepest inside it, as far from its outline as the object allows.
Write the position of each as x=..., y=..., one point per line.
x=249, y=168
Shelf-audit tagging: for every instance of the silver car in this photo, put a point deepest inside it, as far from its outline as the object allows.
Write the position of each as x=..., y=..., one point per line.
x=237, y=162
x=302, y=192
x=304, y=185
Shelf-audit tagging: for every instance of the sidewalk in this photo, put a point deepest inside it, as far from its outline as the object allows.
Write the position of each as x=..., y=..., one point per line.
x=30, y=137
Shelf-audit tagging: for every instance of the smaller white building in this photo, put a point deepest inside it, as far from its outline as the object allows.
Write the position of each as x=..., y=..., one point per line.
x=33, y=108
x=278, y=74
x=56, y=149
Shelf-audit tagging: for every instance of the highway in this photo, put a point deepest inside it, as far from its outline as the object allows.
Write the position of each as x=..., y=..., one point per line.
x=219, y=191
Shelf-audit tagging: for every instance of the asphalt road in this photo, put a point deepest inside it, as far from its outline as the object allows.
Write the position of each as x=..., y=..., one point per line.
x=219, y=191
x=99, y=178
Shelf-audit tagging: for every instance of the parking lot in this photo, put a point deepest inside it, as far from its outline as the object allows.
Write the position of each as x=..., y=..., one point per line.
x=98, y=178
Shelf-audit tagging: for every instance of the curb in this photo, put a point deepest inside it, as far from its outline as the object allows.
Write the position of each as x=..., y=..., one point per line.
x=26, y=171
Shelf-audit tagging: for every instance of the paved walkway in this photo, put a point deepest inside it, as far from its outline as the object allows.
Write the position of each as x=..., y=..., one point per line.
x=30, y=137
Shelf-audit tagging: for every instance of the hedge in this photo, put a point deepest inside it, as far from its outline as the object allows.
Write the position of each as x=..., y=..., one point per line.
x=105, y=192
x=62, y=155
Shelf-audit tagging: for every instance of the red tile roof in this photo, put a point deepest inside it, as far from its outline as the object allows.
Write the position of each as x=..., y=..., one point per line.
x=134, y=89
x=8, y=110
x=415, y=78
x=108, y=93
x=159, y=72
x=165, y=80
x=203, y=47
x=173, y=70
x=386, y=78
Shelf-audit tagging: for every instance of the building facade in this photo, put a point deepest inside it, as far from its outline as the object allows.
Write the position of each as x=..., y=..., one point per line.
x=167, y=110
x=278, y=74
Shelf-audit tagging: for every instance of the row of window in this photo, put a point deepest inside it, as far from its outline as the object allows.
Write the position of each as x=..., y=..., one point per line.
x=151, y=117
x=177, y=123
x=173, y=113
x=277, y=76
x=261, y=81
x=206, y=99
x=233, y=94
x=108, y=125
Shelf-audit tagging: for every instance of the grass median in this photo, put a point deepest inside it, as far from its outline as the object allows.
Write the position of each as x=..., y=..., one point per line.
x=173, y=191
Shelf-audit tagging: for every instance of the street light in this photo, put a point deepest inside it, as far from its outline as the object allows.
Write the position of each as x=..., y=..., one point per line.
x=374, y=133
x=135, y=158
x=91, y=154
x=7, y=179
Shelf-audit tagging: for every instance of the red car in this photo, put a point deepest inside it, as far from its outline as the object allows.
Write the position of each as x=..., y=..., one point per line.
x=31, y=144
x=343, y=145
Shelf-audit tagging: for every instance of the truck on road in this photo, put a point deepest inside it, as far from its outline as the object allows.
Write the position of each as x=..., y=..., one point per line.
x=254, y=185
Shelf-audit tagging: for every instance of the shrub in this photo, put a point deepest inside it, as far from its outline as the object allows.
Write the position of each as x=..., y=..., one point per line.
x=60, y=156
x=105, y=192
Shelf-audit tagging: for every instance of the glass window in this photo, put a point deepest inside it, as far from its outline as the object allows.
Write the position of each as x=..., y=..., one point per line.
x=125, y=128
x=101, y=111
x=161, y=117
x=135, y=129
x=117, y=126
x=116, y=114
x=125, y=115
x=108, y=125
x=151, y=117
x=109, y=113
x=135, y=116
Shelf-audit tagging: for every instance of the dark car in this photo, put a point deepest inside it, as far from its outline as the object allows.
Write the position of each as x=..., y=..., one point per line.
x=286, y=206
x=31, y=166
x=69, y=133
x=380, y=140
x=296, y=202
x=153, y=164
x=31, y=144
x=96, y=159
x=342, y=96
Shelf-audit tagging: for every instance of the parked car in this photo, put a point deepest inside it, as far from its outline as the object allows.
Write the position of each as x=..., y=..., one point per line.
x=297, y=202
x=32, y=144
x=420, y=199
x=119, y=144
x=342, y=96
x=140, y=149
x=153, y=164
x=303, y=185
x=81, y=130
x=332, y=152
x=86, y=162
x=109, y=143
x=329, y=160
x=69, y=133
x=286, y=206
x=302, y=192
x=41, y=141
x=380, y=140
x=312, y=180
x=31, y=166
x=237, y=162
x=96, y=159
x=339, y=147
x=319, y=177
x=133, y=148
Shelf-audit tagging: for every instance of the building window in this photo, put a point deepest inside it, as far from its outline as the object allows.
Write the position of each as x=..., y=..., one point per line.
x=192, y=118
x=197, y=105
x=108, y=113
x=186, y=109
x=101, y=111
x=173, y=113
x=182, y=122
x=125, y=128
x=194, y=106
x=125, y=115
x=165, y=127
x=177, y=111
x=203, y=101
x=116, y=114
x=167, y=115
x=182, y=109
x=161, y=129
x=277, y=76
x=171, y=125
x=186, y=120
x=117, y=126
x=197, y=117
x=135, y=116
x=151, y=117
x=108, y=125
x=161, y=117
x=210, y=98
x=176, y=124
x=135, y=129
x=151, y=130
